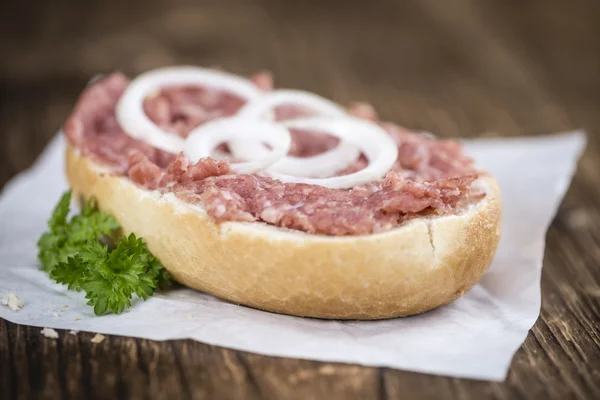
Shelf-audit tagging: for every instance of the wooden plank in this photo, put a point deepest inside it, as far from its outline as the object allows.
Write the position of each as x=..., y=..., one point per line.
x=214, y=372
x=19, y=369
x=6, y=360
x=71, y=367
x=302, y=379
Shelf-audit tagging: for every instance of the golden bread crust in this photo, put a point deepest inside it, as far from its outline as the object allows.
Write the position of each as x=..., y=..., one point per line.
x=421, y=265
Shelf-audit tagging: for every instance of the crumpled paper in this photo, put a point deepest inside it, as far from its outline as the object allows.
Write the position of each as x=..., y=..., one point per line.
x=474, y=337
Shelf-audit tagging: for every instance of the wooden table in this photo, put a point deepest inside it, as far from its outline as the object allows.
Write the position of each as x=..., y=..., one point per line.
x=456, y=68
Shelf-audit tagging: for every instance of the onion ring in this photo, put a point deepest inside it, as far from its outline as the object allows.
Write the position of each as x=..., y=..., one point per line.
x=203, y=141
x=319, y=166
x=269, y=101
x=379, y=148
x=130, y=108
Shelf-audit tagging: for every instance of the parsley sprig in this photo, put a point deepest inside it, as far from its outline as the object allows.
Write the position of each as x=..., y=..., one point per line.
x=77, y=253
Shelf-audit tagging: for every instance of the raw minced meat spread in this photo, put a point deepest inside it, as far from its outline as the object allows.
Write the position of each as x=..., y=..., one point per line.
x=429, y=176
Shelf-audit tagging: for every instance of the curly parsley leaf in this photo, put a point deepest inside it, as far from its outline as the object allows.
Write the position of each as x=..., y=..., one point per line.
x=65, y=238
x=61, y=211
x=74, y=253
x=52, y=243
x=69, y=273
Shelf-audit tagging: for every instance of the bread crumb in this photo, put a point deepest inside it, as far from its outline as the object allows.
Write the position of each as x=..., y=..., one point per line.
x=12, y=301
x=188, y=316
x=73, y=332
x=99, y=338
x=77, y=319
x=49, y=333
x=59, y=311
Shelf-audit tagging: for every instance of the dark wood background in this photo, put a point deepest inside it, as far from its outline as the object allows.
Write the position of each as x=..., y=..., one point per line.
x=457, y=68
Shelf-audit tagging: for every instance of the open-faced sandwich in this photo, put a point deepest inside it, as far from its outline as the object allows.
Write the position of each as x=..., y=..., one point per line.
x=280, y=199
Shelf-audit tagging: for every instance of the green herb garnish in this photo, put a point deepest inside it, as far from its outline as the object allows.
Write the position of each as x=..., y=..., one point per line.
x=78, y=253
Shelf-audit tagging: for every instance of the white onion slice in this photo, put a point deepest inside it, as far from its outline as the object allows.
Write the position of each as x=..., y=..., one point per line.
x=130, y=108
x=317, y=166
x=379, y=148
x=203, y=141
x=277, y=98
x=321, y=165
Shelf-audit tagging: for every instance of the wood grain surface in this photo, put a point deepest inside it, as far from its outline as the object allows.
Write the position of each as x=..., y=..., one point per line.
x=456, y=68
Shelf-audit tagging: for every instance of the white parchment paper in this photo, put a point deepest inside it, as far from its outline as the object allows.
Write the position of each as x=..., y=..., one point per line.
x=474, y=337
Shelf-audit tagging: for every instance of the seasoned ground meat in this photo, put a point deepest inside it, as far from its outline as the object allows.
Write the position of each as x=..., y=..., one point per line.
x=430, y=176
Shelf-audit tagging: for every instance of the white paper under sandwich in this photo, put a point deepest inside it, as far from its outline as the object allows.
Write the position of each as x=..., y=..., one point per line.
x=474, y=337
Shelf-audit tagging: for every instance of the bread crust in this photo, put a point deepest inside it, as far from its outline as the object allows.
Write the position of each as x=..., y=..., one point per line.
x=416, y=267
